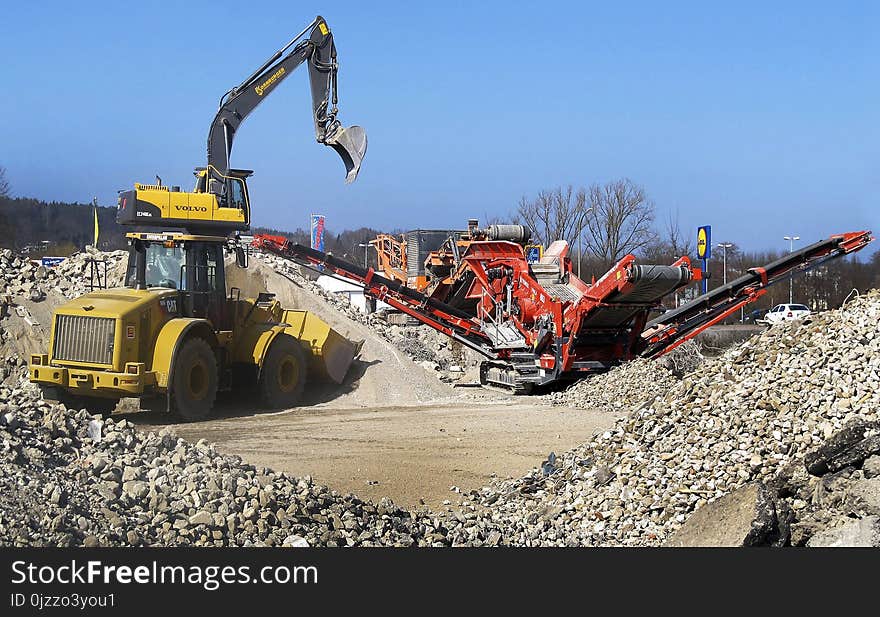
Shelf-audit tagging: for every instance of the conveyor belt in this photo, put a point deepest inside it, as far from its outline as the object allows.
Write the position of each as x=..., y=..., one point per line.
x=602, y=327
x=649, y=284
x=674, y=327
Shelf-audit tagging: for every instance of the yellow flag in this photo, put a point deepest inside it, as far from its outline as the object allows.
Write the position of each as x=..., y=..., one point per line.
x=96, y=223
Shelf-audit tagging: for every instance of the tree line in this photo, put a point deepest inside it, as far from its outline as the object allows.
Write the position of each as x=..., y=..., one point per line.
x=54, y=228
x=602, y=223
x=61, y=228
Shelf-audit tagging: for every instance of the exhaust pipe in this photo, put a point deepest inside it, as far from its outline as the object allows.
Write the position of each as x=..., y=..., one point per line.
x=351, y=144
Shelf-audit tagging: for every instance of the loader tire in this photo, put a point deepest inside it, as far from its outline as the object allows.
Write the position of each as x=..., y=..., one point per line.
x=283, y=377
x=194, y=383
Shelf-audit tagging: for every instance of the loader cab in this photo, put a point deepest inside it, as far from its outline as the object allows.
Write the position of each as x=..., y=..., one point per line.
x=192, y=265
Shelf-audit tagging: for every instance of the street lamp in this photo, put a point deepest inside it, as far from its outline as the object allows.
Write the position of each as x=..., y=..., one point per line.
x=365, y=247
x=580, y=227
x=791, y=240
x=724, y=246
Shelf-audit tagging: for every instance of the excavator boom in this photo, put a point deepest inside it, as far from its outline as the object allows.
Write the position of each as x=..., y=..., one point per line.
x=319, y=52
x=220, y=202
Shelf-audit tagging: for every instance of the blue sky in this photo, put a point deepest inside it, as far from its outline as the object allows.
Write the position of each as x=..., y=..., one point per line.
x=760, y=119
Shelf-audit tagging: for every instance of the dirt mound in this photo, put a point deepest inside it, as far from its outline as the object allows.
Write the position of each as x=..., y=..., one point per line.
x=383, y=375
x=447, y=360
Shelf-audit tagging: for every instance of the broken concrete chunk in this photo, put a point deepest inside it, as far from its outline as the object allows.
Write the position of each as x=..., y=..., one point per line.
x=863, y=532
x=850, y=446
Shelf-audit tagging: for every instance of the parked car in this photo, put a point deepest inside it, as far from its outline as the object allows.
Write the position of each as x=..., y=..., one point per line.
x=785, y=312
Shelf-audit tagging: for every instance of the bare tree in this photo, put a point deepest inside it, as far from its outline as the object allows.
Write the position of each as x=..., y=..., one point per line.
x=620, y=221
x=553, y=215
x=670, y=244
x=679, y=243
x=4, y=183
x=492, y=219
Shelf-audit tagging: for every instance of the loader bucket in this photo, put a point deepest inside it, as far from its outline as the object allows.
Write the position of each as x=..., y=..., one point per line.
x=331, y=353
x=351, y=144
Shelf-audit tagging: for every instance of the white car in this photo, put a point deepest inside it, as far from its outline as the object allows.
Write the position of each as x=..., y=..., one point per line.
x=785, y=312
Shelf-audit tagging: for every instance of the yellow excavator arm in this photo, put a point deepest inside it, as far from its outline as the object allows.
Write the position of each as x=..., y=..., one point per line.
x=220, y=202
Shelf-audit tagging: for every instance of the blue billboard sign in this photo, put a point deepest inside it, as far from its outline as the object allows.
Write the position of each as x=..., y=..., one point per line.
x=534, y=252
x=51, y=262
x=318, y=232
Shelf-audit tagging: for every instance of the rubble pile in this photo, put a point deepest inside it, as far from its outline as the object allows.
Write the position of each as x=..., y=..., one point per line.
x=632, y=384
x=794, y=411
x=433, y=350
x=628, y=386
x=72, y=276
x=70, y=479
x=742, y=418
x=835, y=494
x=12, y=368
x=21, y=277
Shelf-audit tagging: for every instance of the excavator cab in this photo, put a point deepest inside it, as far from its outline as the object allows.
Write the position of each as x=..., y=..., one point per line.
x=225, y=208
x=231, y=191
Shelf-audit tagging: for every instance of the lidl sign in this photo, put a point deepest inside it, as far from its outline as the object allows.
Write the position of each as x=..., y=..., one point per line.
x=704, y=242
x=534, y=252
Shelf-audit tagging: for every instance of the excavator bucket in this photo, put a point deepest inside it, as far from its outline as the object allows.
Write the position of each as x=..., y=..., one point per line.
x=351, y=144
x=331, y=353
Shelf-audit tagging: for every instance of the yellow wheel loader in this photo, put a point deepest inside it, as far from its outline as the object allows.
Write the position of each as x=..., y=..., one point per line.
x=174, y=336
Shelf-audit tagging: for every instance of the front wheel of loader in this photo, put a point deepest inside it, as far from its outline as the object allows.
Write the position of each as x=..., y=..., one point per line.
x=283, y=377
x=194, y=383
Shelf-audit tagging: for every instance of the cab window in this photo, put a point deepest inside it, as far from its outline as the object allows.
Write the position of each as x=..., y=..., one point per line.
x=205, y=267
x=235, y=194
x=163, y=266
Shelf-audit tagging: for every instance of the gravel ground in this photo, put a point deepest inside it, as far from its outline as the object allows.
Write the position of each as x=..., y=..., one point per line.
x=757, y=414
x=743, y=417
